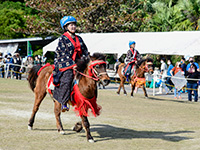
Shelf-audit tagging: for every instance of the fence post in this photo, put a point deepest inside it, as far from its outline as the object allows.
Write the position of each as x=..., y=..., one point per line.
x=154, y=84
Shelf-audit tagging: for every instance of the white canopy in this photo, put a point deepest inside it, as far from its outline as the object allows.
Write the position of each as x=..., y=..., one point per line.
x=167, y=43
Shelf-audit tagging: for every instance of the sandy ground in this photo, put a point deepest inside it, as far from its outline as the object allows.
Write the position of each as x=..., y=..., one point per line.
x=157, y=123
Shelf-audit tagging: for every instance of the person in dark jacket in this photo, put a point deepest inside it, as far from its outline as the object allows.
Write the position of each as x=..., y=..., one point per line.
x=17, y=68
x=132, y=57
x=192, y=85
x=70, y=48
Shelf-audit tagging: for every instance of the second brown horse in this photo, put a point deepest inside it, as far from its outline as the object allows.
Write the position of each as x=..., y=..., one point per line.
x=138, y=79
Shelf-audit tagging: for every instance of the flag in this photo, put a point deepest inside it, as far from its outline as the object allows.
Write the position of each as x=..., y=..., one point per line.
x=29, y=49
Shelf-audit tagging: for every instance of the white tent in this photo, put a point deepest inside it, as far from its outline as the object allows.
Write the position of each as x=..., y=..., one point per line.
x=167, y=43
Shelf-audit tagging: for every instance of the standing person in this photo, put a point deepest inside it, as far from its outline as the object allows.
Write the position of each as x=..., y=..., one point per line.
x=183, y=66
x=2, y=62
x=37, y=60
x=191, y=60
x=163, y=73
x=70, y=48
x=18, y=61
x=29, y=63
x=9, y=66
x=192, y=84
x=168, y=80
x=132, y=57
x=173, y=72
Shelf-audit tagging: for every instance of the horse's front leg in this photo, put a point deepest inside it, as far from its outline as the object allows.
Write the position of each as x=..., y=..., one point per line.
x=132, y=88
x=145, y=91
x=57, y=112
x=86, y=125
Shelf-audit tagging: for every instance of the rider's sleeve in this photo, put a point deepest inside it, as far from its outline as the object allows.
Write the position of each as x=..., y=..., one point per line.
x=129, y=56
x=63, y=57
x=83, y=47
x=138, y=56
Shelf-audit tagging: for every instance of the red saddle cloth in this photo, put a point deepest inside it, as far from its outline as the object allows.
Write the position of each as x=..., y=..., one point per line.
x=81, y=103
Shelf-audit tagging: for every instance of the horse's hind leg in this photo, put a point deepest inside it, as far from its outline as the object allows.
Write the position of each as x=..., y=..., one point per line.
x=57, y=112
x=123, y=86
x=145, y=91
x=86, y=125
x=39, y=96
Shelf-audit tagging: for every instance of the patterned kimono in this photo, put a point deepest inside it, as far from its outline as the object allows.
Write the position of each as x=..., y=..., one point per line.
x=64, y=56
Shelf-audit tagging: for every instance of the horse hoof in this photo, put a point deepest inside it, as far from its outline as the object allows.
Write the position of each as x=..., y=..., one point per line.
x=30, y=128
x=146, y=97
x=131, y=96
x=91, y=140
x=125, y=94
x=62, y=132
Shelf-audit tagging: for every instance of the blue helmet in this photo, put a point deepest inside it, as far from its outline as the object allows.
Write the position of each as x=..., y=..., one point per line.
x=131, y=42
x=67, y=19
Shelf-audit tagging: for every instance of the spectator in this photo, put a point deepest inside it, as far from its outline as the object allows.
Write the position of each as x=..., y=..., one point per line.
x=173, y=72
x=183, y=65
x=2, y=62
x=29, y=63
x=163, y=72
x=9, y=66
x=37, y=60
x=191, y=60
x=168, y=80
x=17, y=68
x=192, y=84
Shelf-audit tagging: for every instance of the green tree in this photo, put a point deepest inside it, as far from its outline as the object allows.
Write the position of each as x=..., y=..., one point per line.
x=92, y=15
x=11, y=21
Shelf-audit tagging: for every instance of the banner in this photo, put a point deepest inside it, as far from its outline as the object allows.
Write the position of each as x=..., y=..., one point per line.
x=178, y=80
x=29, y=49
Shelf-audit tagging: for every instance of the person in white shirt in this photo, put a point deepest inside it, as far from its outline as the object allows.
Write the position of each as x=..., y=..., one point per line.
x=163, y=73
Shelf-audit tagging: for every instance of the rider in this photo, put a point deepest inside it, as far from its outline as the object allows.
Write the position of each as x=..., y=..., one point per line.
x=70, y=48
x=132, y=57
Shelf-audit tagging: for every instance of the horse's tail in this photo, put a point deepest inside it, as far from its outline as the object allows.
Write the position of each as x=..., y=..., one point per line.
x=116, y=68
x=32, y=77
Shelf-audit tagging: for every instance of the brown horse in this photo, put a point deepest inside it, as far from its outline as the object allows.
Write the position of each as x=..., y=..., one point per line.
x=88, y=72
x=138, y=79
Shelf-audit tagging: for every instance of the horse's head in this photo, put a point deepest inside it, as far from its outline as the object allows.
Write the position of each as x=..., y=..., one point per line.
x=149, y=65
x=97, y=68
x=146, y=65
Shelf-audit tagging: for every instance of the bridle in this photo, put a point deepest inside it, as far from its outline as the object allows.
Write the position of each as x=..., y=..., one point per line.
x=93, y=73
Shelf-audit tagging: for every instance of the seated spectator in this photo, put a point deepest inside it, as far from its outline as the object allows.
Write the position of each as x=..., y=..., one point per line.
x=192, y=85
x=173, y=72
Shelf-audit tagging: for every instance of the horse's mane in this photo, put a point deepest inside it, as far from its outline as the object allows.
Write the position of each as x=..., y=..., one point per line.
x=99, y=56
x=82, y=63
x=148, y=59
x=33, y=76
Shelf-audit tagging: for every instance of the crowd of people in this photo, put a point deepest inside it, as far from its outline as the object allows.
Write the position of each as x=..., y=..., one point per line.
x=191, y=72
x=13, y=66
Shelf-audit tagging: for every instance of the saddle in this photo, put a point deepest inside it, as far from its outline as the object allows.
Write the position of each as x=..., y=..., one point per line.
x=128, y=70
x=81, y=103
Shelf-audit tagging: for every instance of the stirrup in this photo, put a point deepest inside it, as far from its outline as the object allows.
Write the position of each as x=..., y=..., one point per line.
x=64, y=108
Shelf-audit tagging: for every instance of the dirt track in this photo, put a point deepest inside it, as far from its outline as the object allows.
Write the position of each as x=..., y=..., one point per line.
x=125, y=123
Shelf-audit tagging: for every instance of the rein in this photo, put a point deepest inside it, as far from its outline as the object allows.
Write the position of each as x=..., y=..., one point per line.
x=92, y=72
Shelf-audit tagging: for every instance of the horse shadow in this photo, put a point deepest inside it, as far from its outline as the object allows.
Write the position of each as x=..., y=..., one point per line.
x=172, y=100
x=109, y=132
